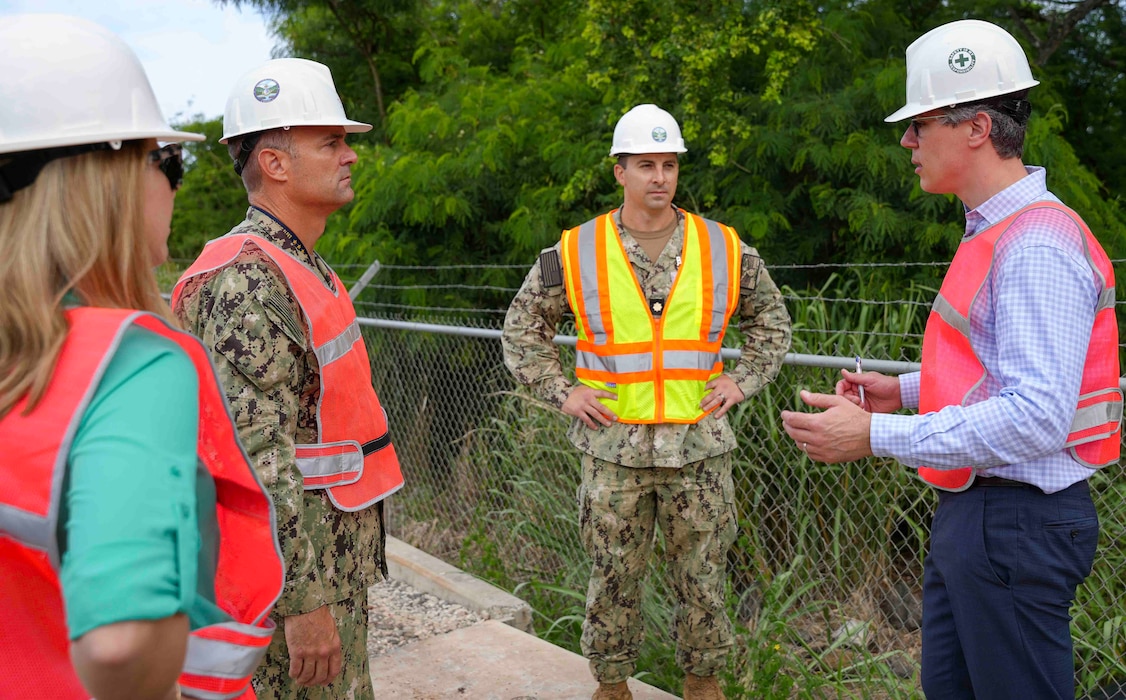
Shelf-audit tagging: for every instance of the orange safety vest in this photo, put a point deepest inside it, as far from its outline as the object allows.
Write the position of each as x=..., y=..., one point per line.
x=656, y=355
x=951, y=370
x=353, y=457
x=34, y=647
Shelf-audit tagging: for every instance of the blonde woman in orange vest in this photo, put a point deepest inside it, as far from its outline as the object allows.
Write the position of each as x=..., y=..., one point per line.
x=120, y=474
x=652, y=288
x=1018, y=397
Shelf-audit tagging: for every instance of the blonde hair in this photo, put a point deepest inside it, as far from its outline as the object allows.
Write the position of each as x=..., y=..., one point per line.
x=80, y=227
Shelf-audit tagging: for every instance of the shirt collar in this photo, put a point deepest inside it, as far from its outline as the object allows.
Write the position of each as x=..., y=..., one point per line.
x=1030, y=188
x=274, y=231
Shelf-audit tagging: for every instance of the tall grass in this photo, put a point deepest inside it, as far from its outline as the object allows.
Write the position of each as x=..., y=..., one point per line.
x=819, y=546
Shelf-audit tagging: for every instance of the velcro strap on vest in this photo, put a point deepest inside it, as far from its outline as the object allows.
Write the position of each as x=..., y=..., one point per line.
x=1097, y=417
x=372, y=446
x=327, y=465
x=221, y=659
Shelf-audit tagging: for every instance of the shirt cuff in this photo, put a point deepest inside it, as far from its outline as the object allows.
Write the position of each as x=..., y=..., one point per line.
x=890, y=435
x=909, y=389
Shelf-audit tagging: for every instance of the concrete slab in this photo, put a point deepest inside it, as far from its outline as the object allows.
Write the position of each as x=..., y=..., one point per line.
x=447, y=582
x=488, y=661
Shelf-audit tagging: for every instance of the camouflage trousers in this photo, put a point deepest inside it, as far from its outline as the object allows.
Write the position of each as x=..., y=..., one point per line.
x=272, y=681
x=620, y=510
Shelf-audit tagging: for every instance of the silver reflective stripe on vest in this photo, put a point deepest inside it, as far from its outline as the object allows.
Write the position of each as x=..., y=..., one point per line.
x=949, y=314
x=690, y=359
x=219, y=659
x=351, y=460
x=41, y=531
x=721, y=281
x=339, y=346
x=618, y=364
x=198, y=694
x=588, y=272
x=1106, y=299
x=26, y=528
x=1101, y=413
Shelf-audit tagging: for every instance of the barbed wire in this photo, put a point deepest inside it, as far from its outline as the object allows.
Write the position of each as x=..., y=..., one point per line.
x=413, y=287
x=412, y=307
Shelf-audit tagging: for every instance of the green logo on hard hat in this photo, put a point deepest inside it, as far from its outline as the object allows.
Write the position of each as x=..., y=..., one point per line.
x=266, y=90
x=961, y=60
x=660, y=135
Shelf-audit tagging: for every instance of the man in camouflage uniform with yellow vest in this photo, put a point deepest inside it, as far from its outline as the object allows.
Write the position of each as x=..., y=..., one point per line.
x=248, y=312
x=649, y=411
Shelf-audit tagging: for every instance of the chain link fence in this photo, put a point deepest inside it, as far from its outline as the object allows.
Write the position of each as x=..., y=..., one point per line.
x=825, y=576
x=833, y=552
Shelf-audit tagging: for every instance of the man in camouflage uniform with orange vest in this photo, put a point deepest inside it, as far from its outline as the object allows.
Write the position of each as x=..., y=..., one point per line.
x=650, y=409
x=264, y=302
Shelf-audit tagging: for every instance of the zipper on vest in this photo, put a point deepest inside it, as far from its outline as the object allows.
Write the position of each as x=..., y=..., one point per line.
x=659, y=366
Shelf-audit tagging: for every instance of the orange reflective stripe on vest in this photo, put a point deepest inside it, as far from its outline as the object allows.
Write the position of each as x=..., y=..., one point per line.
x=221, y=658
x=657, y=358
x=951, y=369
x=353, y=457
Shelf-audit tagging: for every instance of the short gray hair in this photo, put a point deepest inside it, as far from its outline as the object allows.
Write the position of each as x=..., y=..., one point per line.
x=278, y=139
x=1010, y=122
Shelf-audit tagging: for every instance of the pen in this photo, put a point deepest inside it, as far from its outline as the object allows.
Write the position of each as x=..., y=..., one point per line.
x=859, y=370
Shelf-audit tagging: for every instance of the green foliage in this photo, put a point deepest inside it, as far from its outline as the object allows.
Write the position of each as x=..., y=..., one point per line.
x=779, y=663
x=212, y=199
x=366, y=43
x=498, y=116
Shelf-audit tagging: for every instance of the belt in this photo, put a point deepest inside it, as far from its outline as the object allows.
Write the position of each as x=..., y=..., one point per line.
x=998, y=482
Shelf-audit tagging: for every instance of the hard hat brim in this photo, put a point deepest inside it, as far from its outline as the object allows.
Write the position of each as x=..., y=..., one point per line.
x=350, y=127
x=615, y=153
x=170, y=136
x=914, y=110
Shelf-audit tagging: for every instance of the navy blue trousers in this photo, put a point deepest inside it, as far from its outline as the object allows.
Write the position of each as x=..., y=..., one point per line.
x=1001, y=573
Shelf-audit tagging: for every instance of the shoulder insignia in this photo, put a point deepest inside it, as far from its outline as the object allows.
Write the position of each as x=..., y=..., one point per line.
x=551, y=269
x=748, y=274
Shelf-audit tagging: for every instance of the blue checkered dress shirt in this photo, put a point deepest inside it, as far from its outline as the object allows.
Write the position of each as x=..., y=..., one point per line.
x=1030, y=328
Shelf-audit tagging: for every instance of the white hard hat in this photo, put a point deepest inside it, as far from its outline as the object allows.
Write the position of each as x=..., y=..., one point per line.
x=285, y=92
x=964, y=61
x=647, y=129
x=65, y=81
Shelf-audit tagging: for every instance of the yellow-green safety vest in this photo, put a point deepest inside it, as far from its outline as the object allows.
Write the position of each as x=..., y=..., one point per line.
x=656, y=355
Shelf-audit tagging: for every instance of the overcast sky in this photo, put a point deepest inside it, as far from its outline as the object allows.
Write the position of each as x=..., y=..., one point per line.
x=192, y=50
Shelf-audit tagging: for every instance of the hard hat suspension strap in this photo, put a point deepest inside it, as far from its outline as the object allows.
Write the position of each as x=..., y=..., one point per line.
x=245, y=148
x=20, y=169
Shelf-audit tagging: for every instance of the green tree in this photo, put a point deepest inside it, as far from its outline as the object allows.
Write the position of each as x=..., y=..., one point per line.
x=212, y=199
x=498, y=138
x=366, y=43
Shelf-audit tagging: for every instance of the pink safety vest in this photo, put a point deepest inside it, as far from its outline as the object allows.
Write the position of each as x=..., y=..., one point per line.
x=353, y=457
x=34, y=644
x=951, y=369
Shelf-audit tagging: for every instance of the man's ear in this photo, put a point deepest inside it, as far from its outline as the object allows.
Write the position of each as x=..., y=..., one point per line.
x=274, y=164
x=620, y=174
x=981, y=126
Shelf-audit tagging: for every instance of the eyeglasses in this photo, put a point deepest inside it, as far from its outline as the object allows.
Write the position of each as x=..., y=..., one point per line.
x=917, y=121
x=170, y=160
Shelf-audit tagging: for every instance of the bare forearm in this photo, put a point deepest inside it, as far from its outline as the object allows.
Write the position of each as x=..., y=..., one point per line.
x=132, y=660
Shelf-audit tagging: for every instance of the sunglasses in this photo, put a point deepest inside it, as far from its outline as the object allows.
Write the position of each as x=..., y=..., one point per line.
x=170, y=160
x=920, y=121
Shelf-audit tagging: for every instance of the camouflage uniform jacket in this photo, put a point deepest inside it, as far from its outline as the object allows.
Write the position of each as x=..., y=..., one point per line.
x=535, y=314
x=262, y=350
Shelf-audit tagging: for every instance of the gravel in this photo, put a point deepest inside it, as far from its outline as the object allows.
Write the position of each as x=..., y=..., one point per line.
x=401, y=614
